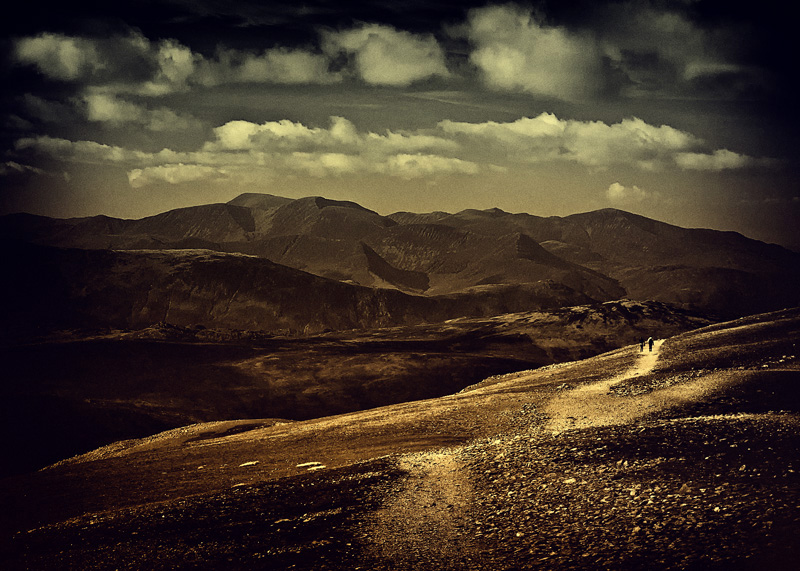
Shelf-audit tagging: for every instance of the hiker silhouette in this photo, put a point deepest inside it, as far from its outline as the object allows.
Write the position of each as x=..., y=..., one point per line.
x=650, y=343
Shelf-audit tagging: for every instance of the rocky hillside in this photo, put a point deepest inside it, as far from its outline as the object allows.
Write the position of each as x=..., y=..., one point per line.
x=603, y=255
x=683, y=458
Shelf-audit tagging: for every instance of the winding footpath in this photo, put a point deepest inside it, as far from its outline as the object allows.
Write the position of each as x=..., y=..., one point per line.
x=423, y=524
x=593, y=404
x=426, y=522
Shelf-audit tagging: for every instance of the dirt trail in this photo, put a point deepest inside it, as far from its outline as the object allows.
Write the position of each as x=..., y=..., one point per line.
x=426, y=522
x=423, y=525
x=592, y=405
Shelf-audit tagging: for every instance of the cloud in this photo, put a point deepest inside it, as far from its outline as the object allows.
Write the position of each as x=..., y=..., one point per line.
x=240, y=149
x=121, y=64
x=288, y=66
x=278, y=65
x=105, y=108
x=124, y=63
x=643, y=48
x=60, y=57
x=89, y=152
x=626, y=194
x=11, y=168
x=134, y=64
x=595, y=144
x=718, y=160
x=339, y=149
x=322, y=164
x=386, y=56
x=271, y=135
x=286, y=148
x=341, y=136
x=631, y=142
x=514, y=51
x=417, y=166
x=660, y=48
x=173, y=174
x=109, y=109
x=175, y=65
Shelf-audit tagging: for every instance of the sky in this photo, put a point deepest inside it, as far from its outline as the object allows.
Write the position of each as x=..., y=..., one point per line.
x=680, y=110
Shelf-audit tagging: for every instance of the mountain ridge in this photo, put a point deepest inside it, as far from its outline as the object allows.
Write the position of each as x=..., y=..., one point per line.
x=603, y=254
x=62, y=288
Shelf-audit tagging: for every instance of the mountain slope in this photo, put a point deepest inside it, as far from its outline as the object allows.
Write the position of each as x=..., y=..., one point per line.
x=97, y=388
x=53, y=288
x=693, y=468
x=722, y=272
x=455, y=259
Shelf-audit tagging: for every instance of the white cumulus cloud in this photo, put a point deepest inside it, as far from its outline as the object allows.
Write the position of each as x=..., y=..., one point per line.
x=415, y=166
x=134, y=64
x=618, y=193
x=276, y=148
x=322, y=164
x=718, y=160
x=172, y=174
x=109, y=109
x=515, y=51
x=60, y=57
x=340, y=136
x=386, y=56
x=595, y=144
x=277, y=65
x=176, y=65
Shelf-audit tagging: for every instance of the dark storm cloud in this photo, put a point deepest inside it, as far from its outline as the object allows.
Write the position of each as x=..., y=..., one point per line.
x=669, y=48
x=413, y=15
x=585, y=48
x=242, y=24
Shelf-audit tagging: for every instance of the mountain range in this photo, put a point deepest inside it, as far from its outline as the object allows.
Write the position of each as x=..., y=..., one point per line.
x=311, y=264
x=333, y=382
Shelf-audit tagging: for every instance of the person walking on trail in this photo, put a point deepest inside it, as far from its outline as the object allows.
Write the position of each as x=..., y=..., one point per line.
x=650, y=343
x=641, y=344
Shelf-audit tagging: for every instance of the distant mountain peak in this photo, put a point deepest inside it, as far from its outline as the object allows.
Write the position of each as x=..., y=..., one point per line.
x=495, y=211
x=259, y=201
x=608, y=213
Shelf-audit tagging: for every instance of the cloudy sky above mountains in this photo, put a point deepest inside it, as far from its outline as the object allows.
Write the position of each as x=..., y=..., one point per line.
x=678, y=110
